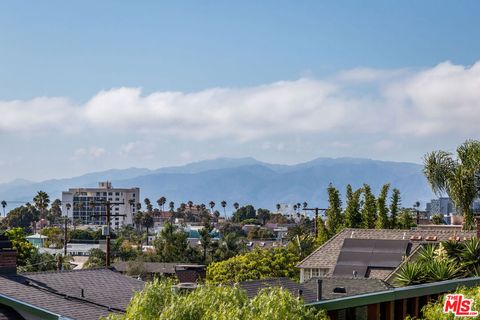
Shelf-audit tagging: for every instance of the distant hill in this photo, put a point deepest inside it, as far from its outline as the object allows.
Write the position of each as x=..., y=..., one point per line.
x=244, y=180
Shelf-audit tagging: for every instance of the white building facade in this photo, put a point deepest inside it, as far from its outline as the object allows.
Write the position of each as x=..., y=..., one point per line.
x=79, y=201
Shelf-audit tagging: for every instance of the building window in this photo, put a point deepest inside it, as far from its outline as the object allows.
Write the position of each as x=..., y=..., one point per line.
x=315, y=273
x=117, y=193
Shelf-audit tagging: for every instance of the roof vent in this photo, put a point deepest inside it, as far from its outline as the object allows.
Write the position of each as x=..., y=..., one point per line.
x=404, y=235
x=431, y=238
x=454, y=238
x=339, y=290
x=351, y=234
x=416, y=238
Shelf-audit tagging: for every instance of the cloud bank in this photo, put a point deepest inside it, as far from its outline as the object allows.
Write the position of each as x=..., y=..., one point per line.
x=444, y=99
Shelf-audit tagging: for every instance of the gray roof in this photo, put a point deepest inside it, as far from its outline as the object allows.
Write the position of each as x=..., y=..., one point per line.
x=149, y=267
x=61, y=292
x=308, y=289
x=352, y=286
x=326, y=255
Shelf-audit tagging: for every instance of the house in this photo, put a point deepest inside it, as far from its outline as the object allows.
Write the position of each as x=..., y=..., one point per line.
x=37, y=240
x=372, y=253
x=83, y=294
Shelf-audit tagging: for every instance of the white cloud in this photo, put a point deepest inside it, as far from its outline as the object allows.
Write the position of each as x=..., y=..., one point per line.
x=89, y=152
x=444, y=99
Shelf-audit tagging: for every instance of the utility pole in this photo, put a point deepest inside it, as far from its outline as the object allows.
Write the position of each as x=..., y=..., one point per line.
x=108, y=206
x=316, y=217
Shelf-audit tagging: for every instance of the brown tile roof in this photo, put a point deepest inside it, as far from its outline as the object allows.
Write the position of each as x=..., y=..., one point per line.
x=326, y=255
x=61, y=292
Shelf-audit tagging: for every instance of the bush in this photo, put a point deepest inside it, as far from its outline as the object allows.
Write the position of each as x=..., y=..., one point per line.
x=158, y=301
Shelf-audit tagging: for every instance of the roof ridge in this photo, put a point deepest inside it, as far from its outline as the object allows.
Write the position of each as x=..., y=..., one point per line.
x=64, y=271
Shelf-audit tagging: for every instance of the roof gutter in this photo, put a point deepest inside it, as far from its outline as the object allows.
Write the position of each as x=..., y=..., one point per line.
x=395, y=294
x=23, y=307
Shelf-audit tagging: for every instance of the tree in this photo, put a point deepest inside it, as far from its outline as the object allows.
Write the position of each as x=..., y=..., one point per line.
x=405, y=220
x=138, y=219
x=236, y=205
x=438, y=219
x=19, y=242
x=395, y=201
x=456, y=177
x=369, y=209
x=224, y=205
x=278, y=206
x=353, y=217
x=229, y=246
x=147, y=222
x=171, y=206
x=55, y=211
x=254, y=265
x=42, y=201
x=243, y=213
x=55, y=237
x=148, y=205
x=382, y=209
x=263, y=215
x=158, y=301
x=334, y=211
x=23, y=217
x=161, y=202
x=171, y=245
x=205, y=239
x=96, y=258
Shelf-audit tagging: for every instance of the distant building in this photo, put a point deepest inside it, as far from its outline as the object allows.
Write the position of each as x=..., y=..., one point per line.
x=80, y=199
x=442, y=205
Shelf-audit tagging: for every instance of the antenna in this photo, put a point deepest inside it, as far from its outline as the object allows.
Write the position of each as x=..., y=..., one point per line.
x=316, y=217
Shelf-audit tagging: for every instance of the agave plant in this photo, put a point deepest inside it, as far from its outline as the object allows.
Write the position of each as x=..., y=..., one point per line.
x=470, y=256
x=454, y=249
x=427, y=253
x=439, y=270
x=411, y=273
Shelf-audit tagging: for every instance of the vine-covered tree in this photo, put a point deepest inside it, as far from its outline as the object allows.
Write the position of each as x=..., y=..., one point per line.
x=382, y=221
x=369, y=209
x=334, y=211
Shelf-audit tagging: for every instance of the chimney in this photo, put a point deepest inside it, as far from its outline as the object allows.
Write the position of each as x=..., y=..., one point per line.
x=319, y=289
x=8, y=256
x=477, y=220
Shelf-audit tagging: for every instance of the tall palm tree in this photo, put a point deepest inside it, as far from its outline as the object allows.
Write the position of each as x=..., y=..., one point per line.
x=458, y=177
x=171, y=205
x=4, y=204
x=148, y=205
x=212, y=205
x=41, y=201
x=161, y=202
x=190, y=205
x=236, y=205
x=224, y=205
x=278, y=207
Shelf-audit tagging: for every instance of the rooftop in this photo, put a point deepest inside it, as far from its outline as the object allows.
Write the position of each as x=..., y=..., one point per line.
x=79, y=294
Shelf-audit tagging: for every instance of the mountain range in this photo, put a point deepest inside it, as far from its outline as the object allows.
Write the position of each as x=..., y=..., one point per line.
x=243, y=180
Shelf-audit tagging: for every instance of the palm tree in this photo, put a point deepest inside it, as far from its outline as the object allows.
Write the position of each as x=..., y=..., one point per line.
x=4, y=204
x=457, y=177
x=224, y=205
x=212, y=205
x=236, y=205
x=41, y=201
x=161, y=202
x=190, y=205
x=171, y=205
x=147, y=222
x=148, y=205
x=278, y=207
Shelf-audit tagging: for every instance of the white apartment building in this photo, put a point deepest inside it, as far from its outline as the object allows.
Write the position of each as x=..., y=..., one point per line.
x=80, y=204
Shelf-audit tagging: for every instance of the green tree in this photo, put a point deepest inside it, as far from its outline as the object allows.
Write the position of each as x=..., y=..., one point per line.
x=19, y=242
x=147, y=222
x=382, y=209
x=172, y=244
x=395, y=202
x=148, y=205
x=405, y=220
x=161, y=202
x=334, y=211
x=254, y=265
x=96, y=258
x=159, y=301
x=224, y=206
x=243, y=213
x=55, y=211
x=206, y=240
x=263, y=215
x=42, y=200
x=456, y=176
x=4, y=205
x=22, y=217
x=55, y=237
x=229, y=246
x=369, y=209
x=353, y=216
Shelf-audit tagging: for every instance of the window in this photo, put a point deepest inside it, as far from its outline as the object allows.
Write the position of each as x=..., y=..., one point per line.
x=117, y=193
x=109, y=193
x=315, y=273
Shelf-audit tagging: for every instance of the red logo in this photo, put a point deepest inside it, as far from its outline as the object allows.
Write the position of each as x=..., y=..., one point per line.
x=459, y=306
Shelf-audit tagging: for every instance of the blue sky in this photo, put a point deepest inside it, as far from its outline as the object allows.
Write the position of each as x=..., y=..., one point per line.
x=102, y=84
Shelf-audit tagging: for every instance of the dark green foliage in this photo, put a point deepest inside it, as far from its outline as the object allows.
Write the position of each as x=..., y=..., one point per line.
x=353, y=216
x=395, y=202
x=369, y=209
x=382, y=221
x=243, y=213
x=334, y=212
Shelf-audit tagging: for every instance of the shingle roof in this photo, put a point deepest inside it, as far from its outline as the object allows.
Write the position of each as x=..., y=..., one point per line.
x=352, y=286
x=326, y=255
x=150, y=267
x=61, y=292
